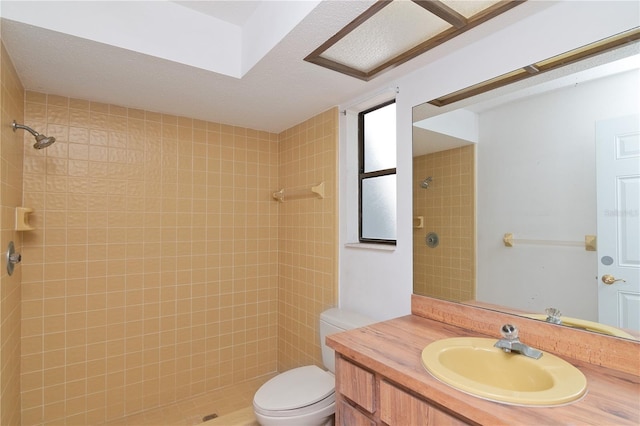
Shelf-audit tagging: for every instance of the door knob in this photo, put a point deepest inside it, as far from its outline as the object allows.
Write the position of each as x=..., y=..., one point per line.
x=610, y=279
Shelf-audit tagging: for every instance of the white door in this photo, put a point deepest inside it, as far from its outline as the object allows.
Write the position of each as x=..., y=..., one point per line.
x=618, y=199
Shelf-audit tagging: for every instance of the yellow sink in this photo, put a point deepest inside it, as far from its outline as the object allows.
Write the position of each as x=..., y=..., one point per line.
x=586, y=325
x=473, y=365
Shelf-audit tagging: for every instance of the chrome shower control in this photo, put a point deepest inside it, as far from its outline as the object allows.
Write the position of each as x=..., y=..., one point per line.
x=12, y=258
x=432, y=240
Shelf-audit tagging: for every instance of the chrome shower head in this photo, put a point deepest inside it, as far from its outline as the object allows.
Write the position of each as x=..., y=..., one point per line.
x=425, y=183
x=42, y=141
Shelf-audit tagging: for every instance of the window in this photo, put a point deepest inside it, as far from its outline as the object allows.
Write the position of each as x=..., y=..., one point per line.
x=377, y=174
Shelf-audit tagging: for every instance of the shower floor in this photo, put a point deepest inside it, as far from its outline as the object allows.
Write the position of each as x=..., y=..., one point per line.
x=233, y=405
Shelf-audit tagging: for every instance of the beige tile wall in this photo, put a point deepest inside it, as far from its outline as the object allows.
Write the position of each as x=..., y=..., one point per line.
x=308, y=237
x=153, y=273
x=11, y=148
x=448, y=208
x=160, y=257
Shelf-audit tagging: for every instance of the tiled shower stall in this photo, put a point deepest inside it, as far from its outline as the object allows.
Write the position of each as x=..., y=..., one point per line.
x=160, y=267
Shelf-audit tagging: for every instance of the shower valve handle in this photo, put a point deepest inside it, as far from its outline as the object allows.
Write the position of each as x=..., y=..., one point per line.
x=15, y=258
x=12, y=258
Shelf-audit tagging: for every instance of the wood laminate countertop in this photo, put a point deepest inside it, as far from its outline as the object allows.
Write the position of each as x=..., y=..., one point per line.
x=393, y=349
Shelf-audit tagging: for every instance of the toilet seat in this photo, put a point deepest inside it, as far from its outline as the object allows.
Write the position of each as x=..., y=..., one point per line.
x=296, y=392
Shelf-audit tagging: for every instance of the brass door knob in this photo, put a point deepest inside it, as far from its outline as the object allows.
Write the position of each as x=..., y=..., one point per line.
x=610, y=279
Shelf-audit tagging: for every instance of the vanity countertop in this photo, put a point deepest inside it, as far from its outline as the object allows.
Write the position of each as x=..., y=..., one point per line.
x=393, y=349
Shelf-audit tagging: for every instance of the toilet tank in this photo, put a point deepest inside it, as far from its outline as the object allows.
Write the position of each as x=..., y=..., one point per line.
x=335, y=320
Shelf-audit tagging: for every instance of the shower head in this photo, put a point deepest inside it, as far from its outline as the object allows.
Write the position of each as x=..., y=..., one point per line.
x=425, y=183
x=42, y=141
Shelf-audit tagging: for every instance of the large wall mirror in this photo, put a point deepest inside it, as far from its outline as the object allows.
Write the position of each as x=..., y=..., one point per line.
x=526, y=198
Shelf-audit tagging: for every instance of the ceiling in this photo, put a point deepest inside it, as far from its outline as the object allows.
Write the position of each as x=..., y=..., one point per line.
x=161, y=56
x=235, y=12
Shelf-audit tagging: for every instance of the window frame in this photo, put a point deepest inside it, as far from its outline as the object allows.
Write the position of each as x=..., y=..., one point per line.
x=362, y=175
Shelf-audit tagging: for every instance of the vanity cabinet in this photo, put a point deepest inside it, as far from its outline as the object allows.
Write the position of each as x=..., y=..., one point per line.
x=348, y=415
x=364, y=398
x=356, y=384
x=398, y=407
x=380, y=379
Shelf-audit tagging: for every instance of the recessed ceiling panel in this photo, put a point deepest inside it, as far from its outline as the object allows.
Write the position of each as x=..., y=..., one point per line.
x=470, y=7
x=396, y=28
x=391, y=32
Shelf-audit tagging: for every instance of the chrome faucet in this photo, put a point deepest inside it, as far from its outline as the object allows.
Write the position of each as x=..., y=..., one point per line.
x=511, y=343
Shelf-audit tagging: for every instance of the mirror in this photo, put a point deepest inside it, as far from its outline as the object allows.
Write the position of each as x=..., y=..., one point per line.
x=521, y=160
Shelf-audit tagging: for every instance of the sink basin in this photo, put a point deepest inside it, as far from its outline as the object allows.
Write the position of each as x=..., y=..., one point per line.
x=473, y=365
x=586, y=325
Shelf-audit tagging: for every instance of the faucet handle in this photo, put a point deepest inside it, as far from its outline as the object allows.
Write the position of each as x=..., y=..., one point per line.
x=509, y=332
x=553, y=315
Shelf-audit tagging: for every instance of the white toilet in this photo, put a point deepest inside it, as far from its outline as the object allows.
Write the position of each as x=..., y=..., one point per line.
x=306, y=395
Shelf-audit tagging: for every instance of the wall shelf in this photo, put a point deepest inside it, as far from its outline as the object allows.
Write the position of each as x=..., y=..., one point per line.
x=300, y=192
x=22, y=219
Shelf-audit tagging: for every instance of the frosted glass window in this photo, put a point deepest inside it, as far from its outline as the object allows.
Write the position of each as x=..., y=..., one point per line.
x=380, y=138
x=379, y=201
x=377, y=174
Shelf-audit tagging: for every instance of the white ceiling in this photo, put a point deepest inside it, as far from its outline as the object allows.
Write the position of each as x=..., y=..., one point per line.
x=99, y=54
x=236, y=12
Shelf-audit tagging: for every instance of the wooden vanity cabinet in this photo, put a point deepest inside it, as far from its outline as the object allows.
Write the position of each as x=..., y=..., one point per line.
x=364, y=398
x=356, y=384
x=350, y=415
x=398, y=407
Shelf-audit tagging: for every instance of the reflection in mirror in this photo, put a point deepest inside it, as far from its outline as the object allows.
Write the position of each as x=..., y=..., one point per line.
x=522, y=160
x=443, y=203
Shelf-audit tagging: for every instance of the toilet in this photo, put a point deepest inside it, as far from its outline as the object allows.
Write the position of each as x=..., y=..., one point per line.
x=306, y=395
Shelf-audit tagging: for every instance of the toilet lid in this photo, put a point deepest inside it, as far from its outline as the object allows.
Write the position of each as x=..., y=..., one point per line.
x=295, y=389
